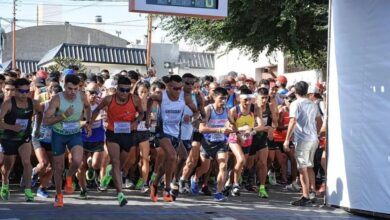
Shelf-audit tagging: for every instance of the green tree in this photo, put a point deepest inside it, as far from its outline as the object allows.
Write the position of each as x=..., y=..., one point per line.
x=63, y=63
x=296, y=27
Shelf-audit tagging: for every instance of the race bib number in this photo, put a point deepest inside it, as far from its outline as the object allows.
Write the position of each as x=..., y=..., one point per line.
x=46, y=133
x=71, y=126
x=97, y=124
x=217, y=137
x=122, y=127
x=141, y=126
x=22, y=122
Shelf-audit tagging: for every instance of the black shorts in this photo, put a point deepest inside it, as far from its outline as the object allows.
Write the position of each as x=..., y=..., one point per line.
x=93, y=147
x=274, y=145
x=125, y=141
x=187, y=144
x=196, y=136
x=210, y=150
x=11, y=148
x=174, y=140
x=45, y=145
x=141, y=136
x=153, y=141
x=259, y=142
x=246, y=150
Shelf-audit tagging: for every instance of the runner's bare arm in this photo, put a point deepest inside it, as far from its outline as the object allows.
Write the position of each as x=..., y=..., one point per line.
x=203, y=125
x=190, y=104
x=87, y=108
x=105, y=102
x=200, y=99
x=38, y=116
x=152, y=98
x=49, y=118
x=258, y=116
x=138, y=107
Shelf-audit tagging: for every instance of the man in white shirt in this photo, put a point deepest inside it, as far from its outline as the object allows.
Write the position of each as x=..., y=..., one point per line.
x=305, y=122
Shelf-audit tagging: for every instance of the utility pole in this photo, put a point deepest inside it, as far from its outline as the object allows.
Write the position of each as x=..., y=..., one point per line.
x=149, y=46
x=14, y=37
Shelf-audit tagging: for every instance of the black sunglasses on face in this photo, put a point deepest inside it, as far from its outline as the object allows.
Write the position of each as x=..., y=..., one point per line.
x=189, y=83
x=92, y=92
x=23, y=91
x=124, y=90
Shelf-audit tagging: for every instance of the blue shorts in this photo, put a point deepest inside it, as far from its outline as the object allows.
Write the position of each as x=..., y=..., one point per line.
x=59, y=142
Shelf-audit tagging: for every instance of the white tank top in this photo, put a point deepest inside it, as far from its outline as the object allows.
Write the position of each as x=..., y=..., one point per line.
x=171, y=114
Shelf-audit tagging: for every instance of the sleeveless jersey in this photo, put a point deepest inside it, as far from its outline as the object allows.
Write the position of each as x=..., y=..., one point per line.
x=171, y=114
x=70, y=125
x=120, y=116
x=20, y=116
x=217, y=121
x=280, y=136
x=98, y=132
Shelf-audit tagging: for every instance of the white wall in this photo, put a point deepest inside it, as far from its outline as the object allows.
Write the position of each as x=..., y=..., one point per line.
x=241, y=63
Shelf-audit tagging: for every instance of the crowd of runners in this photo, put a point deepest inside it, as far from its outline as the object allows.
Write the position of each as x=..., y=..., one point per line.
x=165, y=137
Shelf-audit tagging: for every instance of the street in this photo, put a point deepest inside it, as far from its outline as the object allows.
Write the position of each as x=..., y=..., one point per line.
x=104, y=206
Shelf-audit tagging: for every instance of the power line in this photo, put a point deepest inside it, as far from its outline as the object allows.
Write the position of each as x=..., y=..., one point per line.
x=86, y=23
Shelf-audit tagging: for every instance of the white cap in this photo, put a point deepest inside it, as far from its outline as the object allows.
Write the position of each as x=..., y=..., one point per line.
x=110, y=83
x=313, y=89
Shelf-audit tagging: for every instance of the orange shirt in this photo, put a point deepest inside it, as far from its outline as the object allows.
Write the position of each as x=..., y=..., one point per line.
x=120, y=112
x=280, y=136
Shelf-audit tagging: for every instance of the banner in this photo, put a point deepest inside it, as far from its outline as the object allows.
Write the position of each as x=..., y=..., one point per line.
x=359, y=106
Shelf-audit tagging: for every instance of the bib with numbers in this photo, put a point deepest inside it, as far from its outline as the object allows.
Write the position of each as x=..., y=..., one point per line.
x=216, y=137
x=122, y=127
x=71, y=126
x=97, y=124
x=141, y=126
x=22, y=122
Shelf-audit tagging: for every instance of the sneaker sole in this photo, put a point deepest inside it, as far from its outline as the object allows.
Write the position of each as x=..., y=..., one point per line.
x=123, y=202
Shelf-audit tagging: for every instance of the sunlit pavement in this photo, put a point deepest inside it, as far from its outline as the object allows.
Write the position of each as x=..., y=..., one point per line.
x=105, y=206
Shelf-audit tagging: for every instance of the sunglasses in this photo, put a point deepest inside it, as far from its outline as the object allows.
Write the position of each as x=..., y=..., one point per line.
x=228, y=88
x=177, y=88
x=92, y=92
x=189, y=83
x=123, y=90
x=23, y=91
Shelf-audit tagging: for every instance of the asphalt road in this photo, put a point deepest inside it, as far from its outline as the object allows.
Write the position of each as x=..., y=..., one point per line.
x=104, y=206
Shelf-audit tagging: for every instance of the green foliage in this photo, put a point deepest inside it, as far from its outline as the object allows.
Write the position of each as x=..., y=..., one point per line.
x=297, y=27
x=63, y=63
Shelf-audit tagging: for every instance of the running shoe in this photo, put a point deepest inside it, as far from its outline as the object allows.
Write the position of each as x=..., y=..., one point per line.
x=262, y=192
x=83, y=194
x=121, y=199
x=271, y=178
x=59, y=200
x=293, y=187
x=34, y=178
x=145, y=189
x=69, y=185
x=140, y=184
x=206, y=191
x=312, y=197
x=219, y=197
x=90, y=174
x=28, y=194
x=5, y=192
x=41, y=192
x=184, y=187
x=153, y=193
x=302, y=202
x=235, y=190
x=226, y=191
x=105, y=181
x=194, y=186
x=129, y=184
x=167, y=196
x=174, y=193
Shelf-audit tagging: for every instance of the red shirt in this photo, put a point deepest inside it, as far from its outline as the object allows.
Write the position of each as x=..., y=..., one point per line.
x=120, y=112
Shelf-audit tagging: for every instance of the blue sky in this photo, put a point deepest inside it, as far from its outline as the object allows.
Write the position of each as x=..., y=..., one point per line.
x=115, y=15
